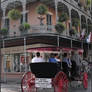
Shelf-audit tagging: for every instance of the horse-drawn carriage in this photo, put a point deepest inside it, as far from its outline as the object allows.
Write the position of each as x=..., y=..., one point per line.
x=44, y=75
x=47, y=75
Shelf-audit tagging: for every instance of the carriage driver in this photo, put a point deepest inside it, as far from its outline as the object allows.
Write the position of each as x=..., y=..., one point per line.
x=38, y=58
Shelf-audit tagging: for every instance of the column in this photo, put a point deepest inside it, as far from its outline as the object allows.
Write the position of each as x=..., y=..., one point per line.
x=56, y=9
x=87, y=24
x=24, y=10
x=25, y=54
x=3, y=19
x=5, y=74
x=58, y=41
x=80, y=24
x=70, y=17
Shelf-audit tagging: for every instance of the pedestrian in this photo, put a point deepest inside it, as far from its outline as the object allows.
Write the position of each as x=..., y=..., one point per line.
x=38, y=58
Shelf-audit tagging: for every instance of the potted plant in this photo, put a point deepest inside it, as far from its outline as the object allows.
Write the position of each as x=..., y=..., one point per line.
x=72, y=32
x=4, y=31
x=24, y=28
x=59, y=27
x=14, y=14
x=41, y=10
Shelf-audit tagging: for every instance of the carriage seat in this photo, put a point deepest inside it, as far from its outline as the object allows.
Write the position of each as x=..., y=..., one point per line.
x=44, y=69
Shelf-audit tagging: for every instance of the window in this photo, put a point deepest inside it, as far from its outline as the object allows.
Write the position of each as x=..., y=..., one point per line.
x=49, y=19
x=8, y=64
x=49, y=22
x=7, y=23
x=26, y=18
x=17, y=63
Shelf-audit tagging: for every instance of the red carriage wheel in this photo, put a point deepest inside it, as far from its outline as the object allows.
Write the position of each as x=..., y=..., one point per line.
x=85, y=80
x=61, y=82
x=28, y=82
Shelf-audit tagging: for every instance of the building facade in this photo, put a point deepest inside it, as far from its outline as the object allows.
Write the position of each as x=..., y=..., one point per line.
x=15, y=43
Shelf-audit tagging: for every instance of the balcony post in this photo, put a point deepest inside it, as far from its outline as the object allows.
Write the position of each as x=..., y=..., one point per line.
x=80, y=24
x=87, y=24
x=3, y=19
x=24, y=10
x=56, y=10
x=58, y=41
x=25, y=54
x=70, y=18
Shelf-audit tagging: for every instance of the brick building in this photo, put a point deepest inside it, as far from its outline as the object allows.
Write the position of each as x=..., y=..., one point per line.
x=15, y=43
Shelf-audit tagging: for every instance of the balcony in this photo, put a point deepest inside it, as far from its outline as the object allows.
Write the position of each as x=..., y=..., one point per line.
x=44, y=29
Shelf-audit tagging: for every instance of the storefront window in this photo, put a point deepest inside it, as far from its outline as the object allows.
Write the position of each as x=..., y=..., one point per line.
x=15, y=63
x=8, y=64
x=22, y=63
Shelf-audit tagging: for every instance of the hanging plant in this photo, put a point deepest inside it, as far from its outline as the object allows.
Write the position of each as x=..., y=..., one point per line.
x=75, y=22
x=72, y=31
x=63, y=17
x=24, y=27
x=42, y=9
x=60, y=27
x=4, y=31
x=14, y=14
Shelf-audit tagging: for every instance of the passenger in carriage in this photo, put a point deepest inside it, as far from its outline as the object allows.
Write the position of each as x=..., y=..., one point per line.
x=38, y=58
x=76, y=63
x=52, y=58
x=74, y=66
x=57, y=57
x=66, y=63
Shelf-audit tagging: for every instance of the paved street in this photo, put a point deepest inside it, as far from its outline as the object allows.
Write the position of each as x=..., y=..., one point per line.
x=13, y=87
x=80, y=88
x=10, y=87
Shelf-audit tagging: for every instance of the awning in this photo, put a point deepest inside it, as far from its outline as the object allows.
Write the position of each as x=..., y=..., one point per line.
x=52, y=49
x=45, y=49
